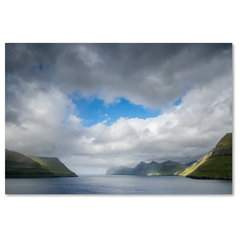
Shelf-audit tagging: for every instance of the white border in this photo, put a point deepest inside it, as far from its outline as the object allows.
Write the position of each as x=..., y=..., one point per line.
x=120, y=217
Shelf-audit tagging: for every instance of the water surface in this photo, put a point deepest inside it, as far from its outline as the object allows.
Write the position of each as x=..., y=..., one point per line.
x=118, y=184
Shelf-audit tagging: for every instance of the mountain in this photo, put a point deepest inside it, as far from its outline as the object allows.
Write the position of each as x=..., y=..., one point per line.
x=152, y=168
x=216, y=164
x=20, y=165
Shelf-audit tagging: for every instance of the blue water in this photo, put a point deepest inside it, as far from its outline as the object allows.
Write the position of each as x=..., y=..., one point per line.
x=116, y=184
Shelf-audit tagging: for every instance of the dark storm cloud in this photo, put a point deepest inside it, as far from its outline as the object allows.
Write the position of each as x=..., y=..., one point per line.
x=25, y=59
x=22, y=58
x=150, y=74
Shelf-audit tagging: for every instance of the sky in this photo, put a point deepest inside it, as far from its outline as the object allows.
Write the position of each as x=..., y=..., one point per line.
x=96, y=106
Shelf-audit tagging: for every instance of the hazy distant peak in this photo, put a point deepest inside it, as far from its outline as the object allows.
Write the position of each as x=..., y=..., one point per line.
x=142, y=163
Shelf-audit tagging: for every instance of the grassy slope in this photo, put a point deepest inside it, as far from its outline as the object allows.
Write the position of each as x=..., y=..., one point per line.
x=215, y=168
x=21, y=166
x=217, y=164
x=18, y=165
x=54, y=165
x=197, y=164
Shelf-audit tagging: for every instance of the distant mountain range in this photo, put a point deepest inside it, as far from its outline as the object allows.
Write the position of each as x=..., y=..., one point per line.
x=217, y=164
x=19, y=165
x=152, y=168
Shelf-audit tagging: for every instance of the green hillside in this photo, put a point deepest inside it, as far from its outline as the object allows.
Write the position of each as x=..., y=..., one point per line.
x=54, y=165
x=216, y=164
x=19, y=165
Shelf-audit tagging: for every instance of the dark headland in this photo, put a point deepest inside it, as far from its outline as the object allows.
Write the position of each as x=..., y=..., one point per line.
x=19, y=165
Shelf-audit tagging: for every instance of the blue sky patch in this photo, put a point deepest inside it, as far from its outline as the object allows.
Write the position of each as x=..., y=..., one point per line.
x=178, y=102
x=93, y=110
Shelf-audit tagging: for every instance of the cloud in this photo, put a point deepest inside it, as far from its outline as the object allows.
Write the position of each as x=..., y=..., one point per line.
x=42, y=120
x=153, y=75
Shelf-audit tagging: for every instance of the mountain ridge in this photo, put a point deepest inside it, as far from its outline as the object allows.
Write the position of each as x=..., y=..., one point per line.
x=153, y=168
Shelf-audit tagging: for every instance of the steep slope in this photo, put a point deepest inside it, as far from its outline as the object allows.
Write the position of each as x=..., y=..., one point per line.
x=54, y=165
x=152, y=168
x=216, y=164
x=19, y=165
